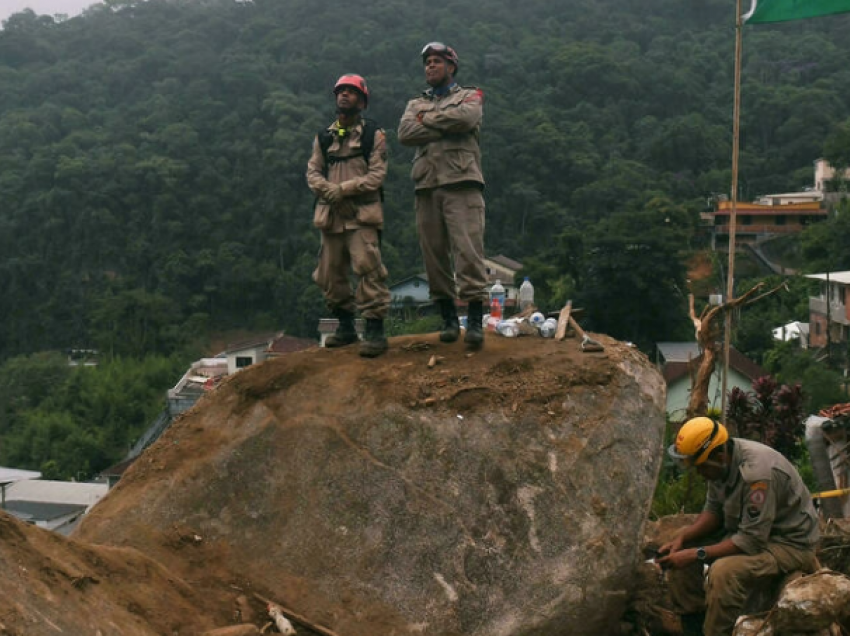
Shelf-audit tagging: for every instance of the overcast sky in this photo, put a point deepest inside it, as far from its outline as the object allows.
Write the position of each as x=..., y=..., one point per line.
x=44, y=7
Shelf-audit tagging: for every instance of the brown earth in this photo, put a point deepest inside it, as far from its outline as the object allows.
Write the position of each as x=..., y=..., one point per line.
x=181, y=582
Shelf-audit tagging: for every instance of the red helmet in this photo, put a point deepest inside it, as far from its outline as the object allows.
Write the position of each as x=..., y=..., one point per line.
x=356, y=82
x=438, y=48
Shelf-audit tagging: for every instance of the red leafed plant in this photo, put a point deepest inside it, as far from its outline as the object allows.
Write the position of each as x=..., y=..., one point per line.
x=770, y=414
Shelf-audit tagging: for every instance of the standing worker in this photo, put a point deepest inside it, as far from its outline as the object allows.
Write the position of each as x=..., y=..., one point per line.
x=758, y=523
x=443, y=124
x=346, y=172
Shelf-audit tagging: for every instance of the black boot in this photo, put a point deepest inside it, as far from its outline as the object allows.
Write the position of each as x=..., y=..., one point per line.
x=474, y=330
x=374, y=342
x=345, y=333
x=450, y=330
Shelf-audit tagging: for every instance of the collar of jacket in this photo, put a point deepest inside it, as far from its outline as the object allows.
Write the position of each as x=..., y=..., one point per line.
x=334, y=127
x=442, y=91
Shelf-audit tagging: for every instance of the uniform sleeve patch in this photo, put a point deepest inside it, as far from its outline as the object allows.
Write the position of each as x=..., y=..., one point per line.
x=757, y=494
x=476, y=97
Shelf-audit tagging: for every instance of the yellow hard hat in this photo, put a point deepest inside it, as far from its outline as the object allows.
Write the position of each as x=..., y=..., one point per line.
x=696, y=439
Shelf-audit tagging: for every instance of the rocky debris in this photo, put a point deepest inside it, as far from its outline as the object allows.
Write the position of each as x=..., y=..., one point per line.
x=819, y=602
x=816, y=604
x=52, y=585
x=497, y=493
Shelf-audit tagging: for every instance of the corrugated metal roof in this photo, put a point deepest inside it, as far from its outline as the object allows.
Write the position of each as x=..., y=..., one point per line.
x=678, y=351
x=66, y=492
x=834, y=277
x=11, y=475
x=41, y=511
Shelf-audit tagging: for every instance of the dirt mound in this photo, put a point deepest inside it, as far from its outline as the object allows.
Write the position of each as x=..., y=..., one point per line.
x=165, y=576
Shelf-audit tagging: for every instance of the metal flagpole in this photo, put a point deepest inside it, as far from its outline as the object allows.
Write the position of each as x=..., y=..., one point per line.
x=733, y=216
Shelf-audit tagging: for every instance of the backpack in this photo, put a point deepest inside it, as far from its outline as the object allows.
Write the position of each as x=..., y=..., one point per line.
x=367, y=143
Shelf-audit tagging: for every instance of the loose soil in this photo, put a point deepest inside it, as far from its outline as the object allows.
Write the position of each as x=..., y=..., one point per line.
x=178, y=584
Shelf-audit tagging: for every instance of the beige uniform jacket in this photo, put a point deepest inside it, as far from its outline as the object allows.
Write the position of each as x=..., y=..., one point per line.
x=446, y=139
x=361, y=182
x=763, y=500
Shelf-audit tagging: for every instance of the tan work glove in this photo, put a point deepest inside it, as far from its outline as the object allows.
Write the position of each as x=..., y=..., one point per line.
x=334, y=193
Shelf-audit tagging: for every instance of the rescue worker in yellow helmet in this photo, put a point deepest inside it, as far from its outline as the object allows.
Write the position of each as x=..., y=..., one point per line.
x=758, y=521
x=346, y=171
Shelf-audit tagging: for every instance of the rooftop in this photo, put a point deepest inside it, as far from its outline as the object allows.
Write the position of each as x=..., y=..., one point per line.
x=834, y=277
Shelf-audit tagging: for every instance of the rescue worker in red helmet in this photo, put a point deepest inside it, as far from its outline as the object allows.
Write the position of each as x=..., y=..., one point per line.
x=443, y=124
x=758, y=522
x=346, y=172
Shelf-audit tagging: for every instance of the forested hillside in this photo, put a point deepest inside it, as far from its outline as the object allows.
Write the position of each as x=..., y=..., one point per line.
x=152, y=153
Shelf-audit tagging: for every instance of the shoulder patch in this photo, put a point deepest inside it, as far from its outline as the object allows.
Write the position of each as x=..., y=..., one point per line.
x=757, y=494
x=477, y=96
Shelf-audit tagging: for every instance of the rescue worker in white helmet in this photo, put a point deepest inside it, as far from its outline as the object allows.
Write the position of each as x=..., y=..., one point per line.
x=346, y=172
x=443, y=124
x=758, y=522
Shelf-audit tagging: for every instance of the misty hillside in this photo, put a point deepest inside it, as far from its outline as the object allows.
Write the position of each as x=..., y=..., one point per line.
x=152, y=153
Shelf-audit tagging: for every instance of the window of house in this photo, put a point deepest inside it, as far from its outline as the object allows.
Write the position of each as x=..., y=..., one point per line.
x=746, y=219
x=817, y=328
x=780, y=220
x=416, y=283
x=243, y=361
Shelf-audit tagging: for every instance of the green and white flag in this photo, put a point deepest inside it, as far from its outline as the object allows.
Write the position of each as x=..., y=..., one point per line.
x=763, y=11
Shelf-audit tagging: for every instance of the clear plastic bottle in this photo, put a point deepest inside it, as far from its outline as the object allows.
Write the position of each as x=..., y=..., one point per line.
x=548, y=328
x=497, y=292
x=508, y=328
x=526, y=294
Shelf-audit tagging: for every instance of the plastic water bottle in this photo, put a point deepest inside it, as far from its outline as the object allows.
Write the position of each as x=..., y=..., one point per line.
x=548, y=328
x=497, y=292
x=526, y=294
x=495, y=314
x=537, y=319
x=508, y=328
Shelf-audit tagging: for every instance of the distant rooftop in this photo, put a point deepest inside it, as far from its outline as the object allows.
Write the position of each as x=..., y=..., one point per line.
x=834, y=277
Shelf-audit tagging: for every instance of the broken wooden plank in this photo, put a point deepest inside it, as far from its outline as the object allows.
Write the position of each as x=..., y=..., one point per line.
x=563, y=321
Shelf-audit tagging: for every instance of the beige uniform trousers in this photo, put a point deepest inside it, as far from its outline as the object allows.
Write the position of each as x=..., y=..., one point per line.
x=361, y=248
x=450, y=221
x=723, y=593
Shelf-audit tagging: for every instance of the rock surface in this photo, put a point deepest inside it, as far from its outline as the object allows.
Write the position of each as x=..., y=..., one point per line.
x=499, y=493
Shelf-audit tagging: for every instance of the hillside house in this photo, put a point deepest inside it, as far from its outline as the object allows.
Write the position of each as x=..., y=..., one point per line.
x=829, y=311
x=243, y=354
x=794, y=330
x=414, y=290
x=52, y=505
x=776, y=215
x=679, y=361
x=825, y=177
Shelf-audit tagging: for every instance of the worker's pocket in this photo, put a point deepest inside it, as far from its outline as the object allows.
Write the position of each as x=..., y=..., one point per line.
x=322, y=216
x=370, y=214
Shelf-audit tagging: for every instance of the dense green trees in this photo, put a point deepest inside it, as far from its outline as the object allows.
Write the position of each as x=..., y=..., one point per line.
x=152, y=158
x=72, y=422
x=152, y=153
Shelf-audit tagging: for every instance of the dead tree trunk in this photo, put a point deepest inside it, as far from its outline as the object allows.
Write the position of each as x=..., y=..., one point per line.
x=708, y=327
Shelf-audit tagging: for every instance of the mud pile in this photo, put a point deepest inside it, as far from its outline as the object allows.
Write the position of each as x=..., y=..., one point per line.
x=432, y=490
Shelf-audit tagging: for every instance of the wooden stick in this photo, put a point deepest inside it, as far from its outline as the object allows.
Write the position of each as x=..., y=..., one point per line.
x=298, y=618
x=563, y=321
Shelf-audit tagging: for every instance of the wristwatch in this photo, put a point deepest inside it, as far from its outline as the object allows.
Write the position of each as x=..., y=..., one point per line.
x=701, y=555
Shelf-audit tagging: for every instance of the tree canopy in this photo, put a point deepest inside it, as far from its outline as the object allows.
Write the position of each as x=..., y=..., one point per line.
x=152, y=153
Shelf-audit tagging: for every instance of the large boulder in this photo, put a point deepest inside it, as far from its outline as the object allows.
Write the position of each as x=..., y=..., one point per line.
x=429, y=491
